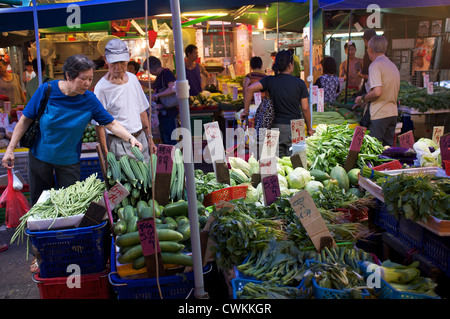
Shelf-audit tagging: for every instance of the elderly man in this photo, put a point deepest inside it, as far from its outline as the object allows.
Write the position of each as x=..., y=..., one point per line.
x=384, y=84
x=122, y=96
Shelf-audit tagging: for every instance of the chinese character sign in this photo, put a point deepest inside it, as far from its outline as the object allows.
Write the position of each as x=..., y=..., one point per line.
x=298, y=131
x=271, y=189
x=4, y=120
x=406, y=140
x=438, y=131
x=164, y=161
x=146, y=228
x=358, y=138
x=320, y=100
x=270, y=145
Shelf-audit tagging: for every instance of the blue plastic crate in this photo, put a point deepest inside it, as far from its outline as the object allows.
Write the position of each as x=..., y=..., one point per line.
x=87, y=247
x=385, y=219
x=327, y=293
x=179, y=286
x=386, y=291
x=410, y=232
x=239, y=283
x=437, y=249
x=89, y=166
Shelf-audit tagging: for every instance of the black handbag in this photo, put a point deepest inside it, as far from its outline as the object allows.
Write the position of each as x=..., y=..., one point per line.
x=365, y=120
x=29, y=137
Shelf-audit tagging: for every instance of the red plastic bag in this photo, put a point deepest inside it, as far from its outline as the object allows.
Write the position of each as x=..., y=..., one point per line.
x=17, y=204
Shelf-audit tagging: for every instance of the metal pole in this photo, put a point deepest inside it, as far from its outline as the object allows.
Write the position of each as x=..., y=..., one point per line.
x=38, y=46
x=182, y=88
x=311, y=59
x=348, y=50
x=278, y=28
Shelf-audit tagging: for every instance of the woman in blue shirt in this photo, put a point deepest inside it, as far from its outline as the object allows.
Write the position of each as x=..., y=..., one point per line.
x=57, y=146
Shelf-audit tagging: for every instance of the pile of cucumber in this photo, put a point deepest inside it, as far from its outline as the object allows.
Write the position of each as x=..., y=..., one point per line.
x=172, y=228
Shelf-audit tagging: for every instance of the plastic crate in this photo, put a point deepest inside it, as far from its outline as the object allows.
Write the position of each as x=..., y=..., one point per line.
x=178, y=286
x=447, y=167
x=385, y=219
x=386, y=291
x=89, y=166
x=87, y=247
x=20, y=165
x=437, y=249
x=225, y=194
x=410, y=232
x=238, y=284
x=95, y=286
x=327, y=293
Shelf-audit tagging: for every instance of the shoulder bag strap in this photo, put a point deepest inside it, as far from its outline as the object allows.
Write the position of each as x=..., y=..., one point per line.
x=44, y=101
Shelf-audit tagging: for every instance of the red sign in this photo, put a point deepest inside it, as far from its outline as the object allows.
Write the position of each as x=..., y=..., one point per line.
x=147, y=234
x=271, y=188
x=445, y=148
x=164, y=161
x=358, y=138
x=406, y=140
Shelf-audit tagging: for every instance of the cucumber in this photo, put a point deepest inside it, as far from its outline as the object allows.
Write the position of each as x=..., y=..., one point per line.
x=123, y=250
x=132, y=224
x=128, y=212
x=141, y=204
x=201, y=209
x=338, y=173
x=168, y=234
x=120, y=213
x=319, y=175
x=139, y=263
x=176, y=259
x=133, y=238
x=171, y=221
x=171, y=246
x=147, y=212
x=179, y=208
x=165, y=226
x=120, y=227
x=152, y=203
x=353, y=176
x=185, y=230
x=133, y=254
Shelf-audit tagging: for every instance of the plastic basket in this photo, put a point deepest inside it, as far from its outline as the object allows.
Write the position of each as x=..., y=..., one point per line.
x=95, y=286
x=385, y=219
x=179, y=286
x=327, y=293
x=89, y=166
x=437, y=249
x=225, y=194
x=410, y=232
x=86, y=247
x=447, y=167
x=388, y=166
x=386, y=291
x=238, y=284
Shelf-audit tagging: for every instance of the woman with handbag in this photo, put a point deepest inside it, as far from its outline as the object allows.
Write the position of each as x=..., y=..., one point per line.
x=289, y=97
x=57, y=145
x=166, y=98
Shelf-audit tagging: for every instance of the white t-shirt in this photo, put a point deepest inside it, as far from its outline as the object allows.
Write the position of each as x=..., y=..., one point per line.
x=125, y=102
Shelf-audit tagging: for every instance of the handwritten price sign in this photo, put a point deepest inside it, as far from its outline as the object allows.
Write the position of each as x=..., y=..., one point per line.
x=164, y=161
x=358, y=138
x=116, y=194
x=267, y=166
x=406, y=140
x=4, y=120
x=298, y=131
x=146, y=228
x=257, y=97
x=320, y=100
x=445, y=147
x=438, y=131
x=270, y=144
x=271, y=188
x=315, y=94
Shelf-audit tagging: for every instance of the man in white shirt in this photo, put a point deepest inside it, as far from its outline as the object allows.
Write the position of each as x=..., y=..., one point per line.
x=122, y=96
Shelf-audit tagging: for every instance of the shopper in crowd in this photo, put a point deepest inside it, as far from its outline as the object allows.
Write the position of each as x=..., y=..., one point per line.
x=163, y=87
x=133, y=67
x=194, y=71
x=368, y=34
x=256, y=74
x=10, y=85
x=29, y=73
x=289, y=96
x=329, y=80
x=33, y=85
x=122, y=96
x=297, y=67
x=384, y=83
x=57, y=146
x=355, y=66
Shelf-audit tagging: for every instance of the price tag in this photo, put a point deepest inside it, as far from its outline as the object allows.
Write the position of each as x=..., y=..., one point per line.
x=270, y=145
x=358, y=138
x=444, y=144
x=430, y=88
x=146, y=228
x=235, y=93
x=116, y=194
x=7, y=107
x=215, y=142
x=406, y=140
x=426, y=80
x=267, y=166
x=257, y=97
x=4, y=120
x=225, y=88
x=19, y=114
x=271, y=189
x=438, y=131
x=298, y=131
x=308, y=214
x=164, y=162
x=320, y=100
x=315, y=93
x=232, y=73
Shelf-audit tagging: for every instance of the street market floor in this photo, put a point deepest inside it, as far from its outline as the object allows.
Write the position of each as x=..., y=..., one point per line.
x=15, y=275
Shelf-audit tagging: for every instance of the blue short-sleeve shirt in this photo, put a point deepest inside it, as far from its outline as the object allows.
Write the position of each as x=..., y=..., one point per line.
x=63, y=122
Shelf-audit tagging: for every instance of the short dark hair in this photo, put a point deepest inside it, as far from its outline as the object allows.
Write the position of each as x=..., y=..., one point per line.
x=153, y=63
x=76, y=64
x=256, y=62
x=136, y=66
x=368, y=34
x=282, y=61
x=35, y=64
x=328, y=65
x=351, y=44
x=189, y=49
x=27, y=63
